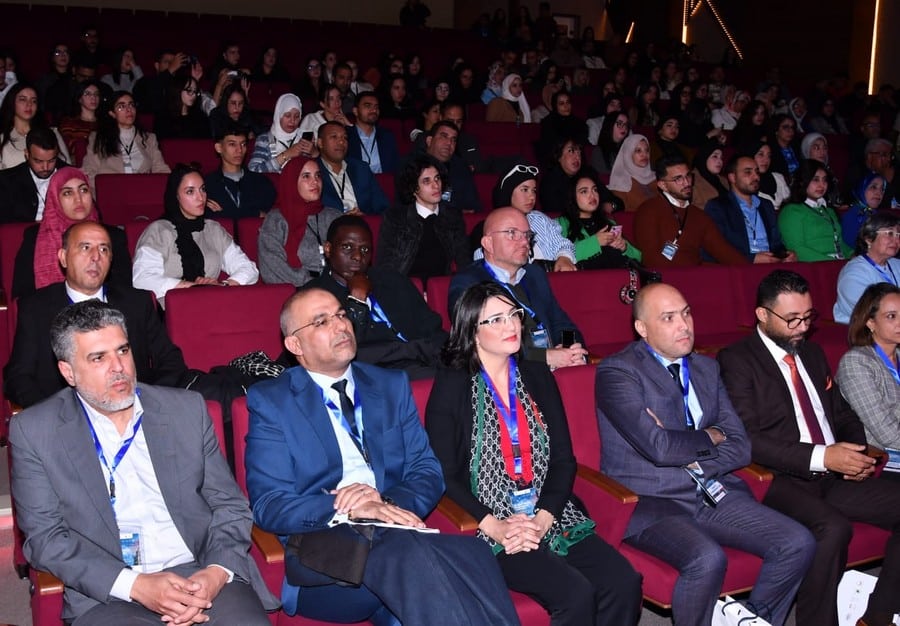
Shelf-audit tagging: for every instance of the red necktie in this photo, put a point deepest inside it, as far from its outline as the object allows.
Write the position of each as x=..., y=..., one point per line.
x=809, y=414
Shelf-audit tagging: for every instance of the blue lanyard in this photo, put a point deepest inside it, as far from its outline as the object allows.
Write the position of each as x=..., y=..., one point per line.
x=685, y=385
x=119, y=455
x=887, y=362
x=527, y=308
x=338, y=415
x=888, y=279
x=510, y=415
x=380, y=316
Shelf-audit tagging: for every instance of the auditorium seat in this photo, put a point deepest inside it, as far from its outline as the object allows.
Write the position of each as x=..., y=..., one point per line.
x=124, y=198
x=200, y=152
x=386, y=182
x=134, y=230
x=247, y=236
x=437, y=294
x=213, y=325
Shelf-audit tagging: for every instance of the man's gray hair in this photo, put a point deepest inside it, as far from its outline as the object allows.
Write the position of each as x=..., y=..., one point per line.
x=82, y=317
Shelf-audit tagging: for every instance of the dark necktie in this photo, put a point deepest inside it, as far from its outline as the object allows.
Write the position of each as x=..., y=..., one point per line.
x=347, y=409
x=806, y=407
x=675, y=371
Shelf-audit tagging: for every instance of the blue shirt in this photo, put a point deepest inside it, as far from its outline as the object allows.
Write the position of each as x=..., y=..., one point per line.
x=756, y=229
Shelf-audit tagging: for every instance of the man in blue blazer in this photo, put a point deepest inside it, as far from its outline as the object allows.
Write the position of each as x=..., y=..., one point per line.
x=674, y=438
x=507, y=244
x=330, y=440
x=368, y=142
x=347, y=183
x=747, y=221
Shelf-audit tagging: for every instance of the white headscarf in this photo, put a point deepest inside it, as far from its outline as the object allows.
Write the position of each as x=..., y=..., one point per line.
x=523, y=103
x=285, y=103
x=624, y=169
x=808, y=140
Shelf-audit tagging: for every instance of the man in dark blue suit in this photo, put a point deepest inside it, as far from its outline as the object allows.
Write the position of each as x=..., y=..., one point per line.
x=507, y=244
x=330, y=441
x=747, y=221
x=368, y=142
x=347, y=183
x=674, y=438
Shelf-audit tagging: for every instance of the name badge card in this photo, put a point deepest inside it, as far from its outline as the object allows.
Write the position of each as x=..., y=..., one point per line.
x=523, y=501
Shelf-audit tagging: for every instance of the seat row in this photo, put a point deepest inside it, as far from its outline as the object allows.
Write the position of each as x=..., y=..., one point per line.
x=609, y=503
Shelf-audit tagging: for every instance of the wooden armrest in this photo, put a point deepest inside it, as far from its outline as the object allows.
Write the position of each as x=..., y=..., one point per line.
x=617, y=490
x=456, y=515
x=268, y=544
x=46, y=584
x=757, y=473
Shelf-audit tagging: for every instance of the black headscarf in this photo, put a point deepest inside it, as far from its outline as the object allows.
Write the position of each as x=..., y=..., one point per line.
x=700, y=165
x=192, y=263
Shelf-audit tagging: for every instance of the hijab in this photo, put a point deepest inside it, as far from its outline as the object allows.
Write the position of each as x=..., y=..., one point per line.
x=52, y=227
x=294, y=209
x=808, y=140
x=493, y=85
x=700, y=159
x=524, y=109
x=859, y=192
x=624, y=169
x=284, y=104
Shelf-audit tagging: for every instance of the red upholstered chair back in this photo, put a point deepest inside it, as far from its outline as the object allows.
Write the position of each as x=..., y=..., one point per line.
x=437, y=294
x=484, y=184
x=123, y=198
x=199, y=151
x=387, y=184
x=374, y=222
x=248, y=236
x=213, y=325
x=576, y=386
x=240, y=425
x=421, y=389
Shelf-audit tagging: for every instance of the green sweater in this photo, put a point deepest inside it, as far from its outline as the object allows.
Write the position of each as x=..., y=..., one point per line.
x=588, y=247
x=811, y=232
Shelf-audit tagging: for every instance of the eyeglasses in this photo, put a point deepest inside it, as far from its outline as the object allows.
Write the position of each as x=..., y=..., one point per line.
x=91, y=94
x=514, y=234
x=681, y=178
x=521, y=169
x=502, y=319
x=890, y=234
x=324, y=321
x=126, y=106
x=794, y=322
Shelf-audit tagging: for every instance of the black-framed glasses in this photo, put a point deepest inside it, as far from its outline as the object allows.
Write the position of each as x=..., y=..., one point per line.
x=794, y=322
x=681, y=178
x=514, y=234
x=323, y=321
x=502, y=319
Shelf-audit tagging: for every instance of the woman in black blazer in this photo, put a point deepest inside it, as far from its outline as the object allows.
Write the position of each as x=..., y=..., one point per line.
x=513, y=469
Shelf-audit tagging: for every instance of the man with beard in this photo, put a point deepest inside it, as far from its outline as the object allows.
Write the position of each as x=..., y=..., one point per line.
x=672, y=232
x=347, y=183
x=96, y=471
x=86, y=256
x=23, y=188
x=747, y=221
x=374, y=145
x=671, y=435
x=806, y=434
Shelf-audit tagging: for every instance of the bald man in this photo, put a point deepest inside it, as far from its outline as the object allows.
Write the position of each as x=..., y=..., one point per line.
x=507, y=244
x=670, y=434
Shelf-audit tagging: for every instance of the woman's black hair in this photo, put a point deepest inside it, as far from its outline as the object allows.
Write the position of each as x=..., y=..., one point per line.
x=80, y=88
x=117, y=63
x=106, y=143
x=571, y=211
x=229, y=91
x=408, y=178
x=460, y=352
x=605, y=144
x=170, y=195
x=803, y=177
x=173, y=97
x=8, y=111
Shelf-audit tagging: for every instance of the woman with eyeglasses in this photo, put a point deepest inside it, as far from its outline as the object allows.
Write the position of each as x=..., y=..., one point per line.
x=120, y=145
x=632, y=179
x=82, y=119
x=422, y=235
x=183, y=249
x=866, y=197
x=18, y=113
x=311, y=84
x=613, y=132
x=786, y=154
x=599, y=243
x=868, y=372
x=497, y=425
x=808, y=225
x=183, y=117
x=876, y=245
x=291, y=236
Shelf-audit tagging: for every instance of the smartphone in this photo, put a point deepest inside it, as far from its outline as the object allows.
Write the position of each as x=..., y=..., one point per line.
x=568, y=337
x=616, y=230
x=307, y=136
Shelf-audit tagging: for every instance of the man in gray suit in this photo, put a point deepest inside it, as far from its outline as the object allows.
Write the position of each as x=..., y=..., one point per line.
x=122, y=492
x=674, y=438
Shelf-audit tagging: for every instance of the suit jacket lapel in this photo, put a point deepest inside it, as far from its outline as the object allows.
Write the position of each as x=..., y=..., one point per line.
x=766, y=363
x=82, y=454
x=373, y=425
x=159, y=436
x=307, y=397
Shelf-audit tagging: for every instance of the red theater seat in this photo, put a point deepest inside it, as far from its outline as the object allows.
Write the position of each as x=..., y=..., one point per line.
x=123, y=198
x=198, y=151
